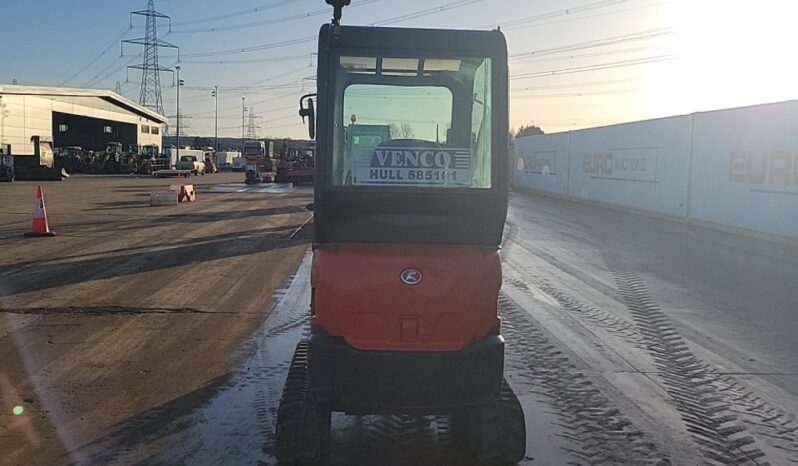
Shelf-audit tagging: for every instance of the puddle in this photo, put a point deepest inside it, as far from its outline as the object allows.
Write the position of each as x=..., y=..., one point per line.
x=260, y=188
x=237, y=425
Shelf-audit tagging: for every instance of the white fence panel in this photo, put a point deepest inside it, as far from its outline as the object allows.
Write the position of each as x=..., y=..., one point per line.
x=745, y=168
x=541, y=163
x=642, y=165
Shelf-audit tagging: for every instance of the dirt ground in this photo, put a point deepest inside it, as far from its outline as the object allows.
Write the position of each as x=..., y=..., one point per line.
x=130, y=316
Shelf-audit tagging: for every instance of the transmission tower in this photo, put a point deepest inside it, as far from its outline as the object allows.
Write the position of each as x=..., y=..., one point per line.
x=150, y=95
x=252, y=130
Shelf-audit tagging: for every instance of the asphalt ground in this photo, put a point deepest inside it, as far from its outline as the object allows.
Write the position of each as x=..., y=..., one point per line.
x=688, y=333
x=131, y=315
x=630, y=339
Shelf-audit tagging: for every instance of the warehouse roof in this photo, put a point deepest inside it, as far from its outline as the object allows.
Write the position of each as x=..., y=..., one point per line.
x=104, y=94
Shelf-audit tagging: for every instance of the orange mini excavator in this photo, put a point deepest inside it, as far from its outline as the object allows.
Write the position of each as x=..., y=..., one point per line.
x=410, y=203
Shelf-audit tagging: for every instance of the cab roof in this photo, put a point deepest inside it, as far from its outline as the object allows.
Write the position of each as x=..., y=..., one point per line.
x=462, y=42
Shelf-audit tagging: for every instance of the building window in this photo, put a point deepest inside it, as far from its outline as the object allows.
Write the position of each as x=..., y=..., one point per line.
x=145, y=129
x=154, y=129
x=107, y=130
x=62, y=128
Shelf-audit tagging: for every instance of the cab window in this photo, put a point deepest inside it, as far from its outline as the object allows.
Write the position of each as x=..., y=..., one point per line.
x=412, y=122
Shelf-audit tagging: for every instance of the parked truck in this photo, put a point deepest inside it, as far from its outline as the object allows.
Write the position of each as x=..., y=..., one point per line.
x=295, y=166
x=39, y=166
x=224, y=159
x=191, y=163
x=259, y=157
x=239, y=163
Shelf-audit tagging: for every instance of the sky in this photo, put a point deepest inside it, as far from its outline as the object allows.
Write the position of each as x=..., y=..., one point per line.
x=573, y=63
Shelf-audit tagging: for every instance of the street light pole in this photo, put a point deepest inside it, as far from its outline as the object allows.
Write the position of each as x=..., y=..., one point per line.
x=243, y=110
x=216, y=119
x=177, y=67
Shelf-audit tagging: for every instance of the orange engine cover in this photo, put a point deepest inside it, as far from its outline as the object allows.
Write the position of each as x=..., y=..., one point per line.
x=359, y=294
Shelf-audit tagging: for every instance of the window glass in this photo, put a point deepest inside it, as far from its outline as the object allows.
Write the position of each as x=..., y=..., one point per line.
x=481, y=125
x=413, y=122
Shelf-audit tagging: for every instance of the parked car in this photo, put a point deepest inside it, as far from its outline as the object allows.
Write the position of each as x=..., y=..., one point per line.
x=190, y=162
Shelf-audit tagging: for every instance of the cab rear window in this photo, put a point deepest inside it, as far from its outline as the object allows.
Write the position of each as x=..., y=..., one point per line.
x=413, y=122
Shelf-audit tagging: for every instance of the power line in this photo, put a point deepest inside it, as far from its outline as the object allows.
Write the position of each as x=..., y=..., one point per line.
x=417, y=14
x=282, y=75
x=97, y=76
x=283, y=126
x=570, y=85
x=238, y=107
x=555, y=14
x=271, y=45
x=284, y=19
x=254, y=60
x=294, y=115
x=233, y=14
x=247, y=88
x=253, y=87
x=91, y=62
x=562, y=125
x=427, y=12
x=613, y=12
x=524, y=56
x=574, y=94
x=585, y=55
x=600, y=66
x=238, y=117
x=612, y=40
x=265, y=22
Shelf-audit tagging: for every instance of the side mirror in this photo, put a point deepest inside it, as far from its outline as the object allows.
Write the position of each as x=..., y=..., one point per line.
x=309, y=207
x=310, y=112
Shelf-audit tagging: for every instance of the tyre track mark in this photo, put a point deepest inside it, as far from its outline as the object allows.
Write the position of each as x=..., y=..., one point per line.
x=614, y=324
x=691, y=383
x=600, y=432
x=771, y=425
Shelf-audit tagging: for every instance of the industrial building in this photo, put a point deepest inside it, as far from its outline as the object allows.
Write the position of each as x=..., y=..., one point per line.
x=89, y=118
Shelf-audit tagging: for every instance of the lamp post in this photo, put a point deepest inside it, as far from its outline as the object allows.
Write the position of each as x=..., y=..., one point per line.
x=179, y=83
x=243, y=111
x=215, y=95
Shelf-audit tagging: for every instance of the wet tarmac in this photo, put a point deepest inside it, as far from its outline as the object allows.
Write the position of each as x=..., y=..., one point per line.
x=262, y=188
x=627, y=344
x=237, y=426
x=607, y=369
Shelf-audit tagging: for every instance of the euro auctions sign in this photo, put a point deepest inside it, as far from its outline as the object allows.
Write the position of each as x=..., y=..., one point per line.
x=414, y=166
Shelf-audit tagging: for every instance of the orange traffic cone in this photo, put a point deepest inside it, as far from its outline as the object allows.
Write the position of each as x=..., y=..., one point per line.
x=40, y=226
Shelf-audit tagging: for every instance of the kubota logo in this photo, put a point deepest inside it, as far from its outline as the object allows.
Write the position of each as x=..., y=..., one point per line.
x=411, y=276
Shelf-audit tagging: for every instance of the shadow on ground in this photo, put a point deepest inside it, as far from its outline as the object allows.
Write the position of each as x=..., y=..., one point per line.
x=33, y=276
x=146, y=428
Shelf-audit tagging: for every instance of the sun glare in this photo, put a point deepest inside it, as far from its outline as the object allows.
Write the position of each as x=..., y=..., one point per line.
x=729, y=53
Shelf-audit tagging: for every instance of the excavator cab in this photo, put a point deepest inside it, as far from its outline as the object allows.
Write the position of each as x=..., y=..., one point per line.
x=410, y=204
